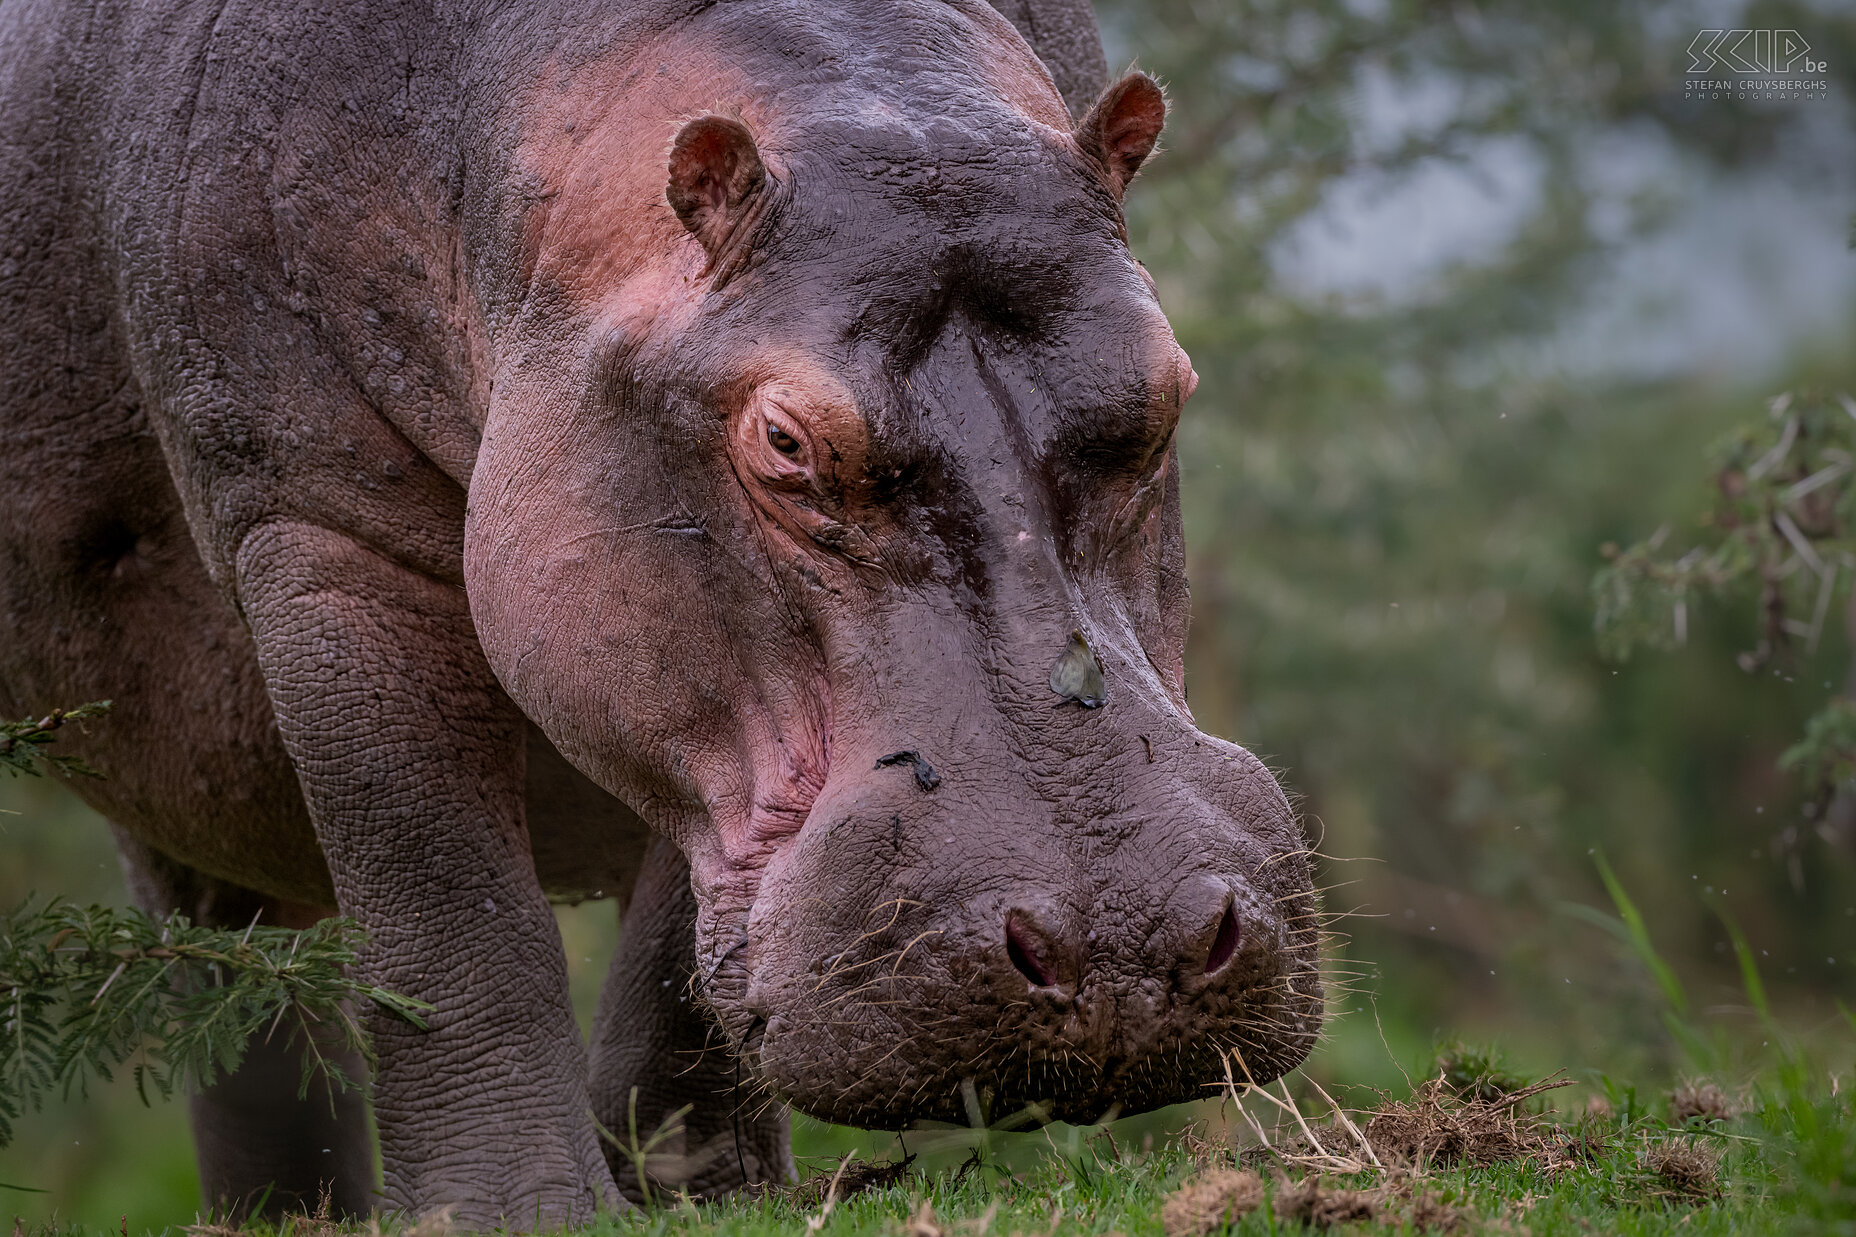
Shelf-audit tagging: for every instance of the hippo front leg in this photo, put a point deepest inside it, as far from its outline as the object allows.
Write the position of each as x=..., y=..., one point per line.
x=411, y=761
x=653, y=1036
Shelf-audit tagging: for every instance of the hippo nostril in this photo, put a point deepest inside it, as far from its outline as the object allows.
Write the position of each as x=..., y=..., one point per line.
x=1224, y=945
x=1024, y=955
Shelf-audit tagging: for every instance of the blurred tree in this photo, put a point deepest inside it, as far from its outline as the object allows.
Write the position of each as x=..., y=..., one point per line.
x=1781, y=535
x=1395, y=492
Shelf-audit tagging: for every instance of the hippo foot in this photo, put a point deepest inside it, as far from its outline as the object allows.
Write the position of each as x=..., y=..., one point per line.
x=544, y=1190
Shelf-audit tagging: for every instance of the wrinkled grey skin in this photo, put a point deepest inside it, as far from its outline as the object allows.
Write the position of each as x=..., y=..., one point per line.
x=525, y=449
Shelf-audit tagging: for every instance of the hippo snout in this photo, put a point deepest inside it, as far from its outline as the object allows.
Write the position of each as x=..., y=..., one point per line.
x=1205, y=923
x=1068, y=963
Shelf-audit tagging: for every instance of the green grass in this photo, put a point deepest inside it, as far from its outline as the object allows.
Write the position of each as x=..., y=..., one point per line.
x=1128, y=1197
x=1787, y=1164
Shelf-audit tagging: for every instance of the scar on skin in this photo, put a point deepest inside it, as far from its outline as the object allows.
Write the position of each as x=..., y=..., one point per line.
x=925, y=776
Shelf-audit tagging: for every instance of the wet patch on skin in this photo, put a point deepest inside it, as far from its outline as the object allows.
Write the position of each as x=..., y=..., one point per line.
x=925, y=775
x=1077, y=675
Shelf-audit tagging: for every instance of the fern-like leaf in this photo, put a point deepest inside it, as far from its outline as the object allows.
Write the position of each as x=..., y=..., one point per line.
x=85, y=990
x=22, y=744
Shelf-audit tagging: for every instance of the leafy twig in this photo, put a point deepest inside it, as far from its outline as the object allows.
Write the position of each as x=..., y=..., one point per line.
x=85, y=989
x=1782, y=533
x=22, y=744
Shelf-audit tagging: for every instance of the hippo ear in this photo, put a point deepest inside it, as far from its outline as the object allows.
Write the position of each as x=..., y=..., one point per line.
x=1120, y=130
x=714, y=171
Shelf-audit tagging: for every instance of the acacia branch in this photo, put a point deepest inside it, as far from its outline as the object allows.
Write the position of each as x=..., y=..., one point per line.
x=85, y=990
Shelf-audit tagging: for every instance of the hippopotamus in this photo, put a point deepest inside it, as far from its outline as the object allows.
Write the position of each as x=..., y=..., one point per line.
x=716, y=456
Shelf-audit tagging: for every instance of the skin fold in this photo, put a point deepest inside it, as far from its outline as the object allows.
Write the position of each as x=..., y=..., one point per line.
x=717, y=457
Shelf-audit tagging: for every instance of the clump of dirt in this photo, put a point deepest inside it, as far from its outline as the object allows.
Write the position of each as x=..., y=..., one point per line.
x=1320, y=1205
x=1686, y=1171
x=1430, y=1214
x=1210, y=1202
x=1435, y=1126
x=1700, y=1099
x=855, y=1179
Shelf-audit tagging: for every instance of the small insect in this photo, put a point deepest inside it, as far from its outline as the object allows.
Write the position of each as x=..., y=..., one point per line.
x=925, y=776
x=1077, y=675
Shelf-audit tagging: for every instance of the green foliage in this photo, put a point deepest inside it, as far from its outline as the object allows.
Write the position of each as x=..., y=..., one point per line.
x=1826, y=754
x=1811, y=1134
x=86, y=990
x=1805, y=1113
x=1780, y=529
x=1780, y=533
x=1638, y=934
x=22, y=744
x=1476, y=1071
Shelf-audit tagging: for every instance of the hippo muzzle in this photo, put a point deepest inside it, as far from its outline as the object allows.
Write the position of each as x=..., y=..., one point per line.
x=1039, y=916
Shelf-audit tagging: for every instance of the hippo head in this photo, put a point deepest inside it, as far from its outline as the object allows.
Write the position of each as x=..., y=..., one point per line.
x=827, y=513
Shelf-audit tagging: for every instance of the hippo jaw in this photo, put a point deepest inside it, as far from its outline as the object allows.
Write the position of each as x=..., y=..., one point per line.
x=805, y=541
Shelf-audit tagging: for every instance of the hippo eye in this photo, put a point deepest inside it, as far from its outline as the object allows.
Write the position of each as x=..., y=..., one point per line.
x=782, y=441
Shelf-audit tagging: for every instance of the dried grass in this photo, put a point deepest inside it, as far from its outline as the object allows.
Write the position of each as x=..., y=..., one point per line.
x=1396, y=1144
x=854, y=1179
x=1430, y=1214
x=1319, y=1205
x=1211, y=1202
x=1437, y=1127
x=322, y=1223
x=208, y=1227
x=1695, y=1098
x=1687, y=1171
